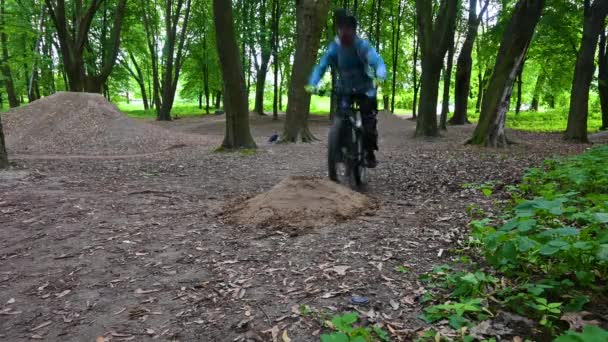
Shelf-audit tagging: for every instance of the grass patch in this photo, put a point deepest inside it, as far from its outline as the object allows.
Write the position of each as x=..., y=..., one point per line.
x=547, y=253
x=554, y=120
x=179, y=110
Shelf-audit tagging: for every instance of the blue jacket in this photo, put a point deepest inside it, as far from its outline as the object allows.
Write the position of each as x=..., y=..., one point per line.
x=354, y=67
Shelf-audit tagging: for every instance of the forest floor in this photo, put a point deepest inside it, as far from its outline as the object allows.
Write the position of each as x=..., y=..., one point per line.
x=137, y=247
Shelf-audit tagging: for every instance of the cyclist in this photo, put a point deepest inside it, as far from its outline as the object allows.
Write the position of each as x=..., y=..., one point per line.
x=359, y=69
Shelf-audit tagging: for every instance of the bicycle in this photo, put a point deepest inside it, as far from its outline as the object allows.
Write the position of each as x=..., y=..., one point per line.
x=346, y=156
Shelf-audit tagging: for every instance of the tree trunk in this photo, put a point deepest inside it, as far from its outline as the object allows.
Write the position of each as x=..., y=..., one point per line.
x=584, y=70
x=13, y=100
x=73, y=40
x=520, y=83
x=396, y=34
x=173, y=59
x=152, y=39
x=262, y=69
x=484, y=79
x=415, y=70
x=464, y=66
x=447, y=84
x=490, y=130
x=138, y=76
x=435, y=39
x=3, y=154
x=237, y=133
x=276, y=16
x=603, y=79
x=378, y=15
x=540, y=81
x=218, y=100
x=310, y=17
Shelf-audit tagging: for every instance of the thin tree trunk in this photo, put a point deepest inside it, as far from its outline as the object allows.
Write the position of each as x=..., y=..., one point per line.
x=415, y=70
x=603, y=79
x=3, y=155
x=435, y=39
x=138, y=76
x=378, y=19
x=219, y=100
x=584, y=70
x=310, y=17
x=173, y=59
x=396, y=35
x=13, y=100
x=447, y=84
x=464, y=66
x=262, y=70
x=520, y=82
x=490, y=130
x=276, y=15
x=237, y=133
x=540, y=81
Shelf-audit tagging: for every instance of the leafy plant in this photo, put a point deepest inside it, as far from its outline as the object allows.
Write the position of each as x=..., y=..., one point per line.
x=589, y=334
x=346, y=331
x=548, y=250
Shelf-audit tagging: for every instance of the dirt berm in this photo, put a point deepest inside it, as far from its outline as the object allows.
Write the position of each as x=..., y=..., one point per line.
x=302, y=202
x=84, y=124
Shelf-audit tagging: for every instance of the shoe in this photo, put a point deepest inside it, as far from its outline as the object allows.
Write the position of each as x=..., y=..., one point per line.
x=371, y=161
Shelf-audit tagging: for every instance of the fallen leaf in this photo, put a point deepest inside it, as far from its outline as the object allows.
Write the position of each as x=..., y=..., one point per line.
x=340, y=270
x=141, y=291
x=8, y=311
x=150, y=332
x=394, y=305
x=274, y=332
x=409, y=299
x=119, y=311
x=577, y=321
x=63, y=293
x=45, y=324
x=518, y=339
x=286, y=337
x=11, y=301
x=101, y=339
x=377, y=265
x=36, y=337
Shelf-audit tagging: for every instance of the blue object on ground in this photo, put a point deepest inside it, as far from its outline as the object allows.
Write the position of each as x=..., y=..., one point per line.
x=357, y=300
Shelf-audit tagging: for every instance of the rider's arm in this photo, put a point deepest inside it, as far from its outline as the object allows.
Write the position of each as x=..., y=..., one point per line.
x=321, y=68
x=376, y=61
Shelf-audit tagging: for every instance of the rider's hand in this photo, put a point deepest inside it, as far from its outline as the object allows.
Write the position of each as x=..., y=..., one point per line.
x=311, y=89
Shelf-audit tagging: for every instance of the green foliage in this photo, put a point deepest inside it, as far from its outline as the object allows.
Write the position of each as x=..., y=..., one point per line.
x=550, y=244
x=346, y=331
x=589, y=334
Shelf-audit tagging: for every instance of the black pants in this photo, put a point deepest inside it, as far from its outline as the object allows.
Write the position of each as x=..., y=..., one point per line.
x=368, y=108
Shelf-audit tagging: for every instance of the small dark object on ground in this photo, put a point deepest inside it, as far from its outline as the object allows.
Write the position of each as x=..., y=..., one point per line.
x=219, y=112
x=357, y=300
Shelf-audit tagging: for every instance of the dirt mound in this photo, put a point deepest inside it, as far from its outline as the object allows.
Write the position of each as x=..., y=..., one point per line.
x=85, y=124
x=302, y=202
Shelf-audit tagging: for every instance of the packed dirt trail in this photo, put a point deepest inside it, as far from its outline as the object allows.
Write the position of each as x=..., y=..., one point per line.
x=143, y=247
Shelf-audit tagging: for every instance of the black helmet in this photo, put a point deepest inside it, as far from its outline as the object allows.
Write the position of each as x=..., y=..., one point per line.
x=343, y=17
